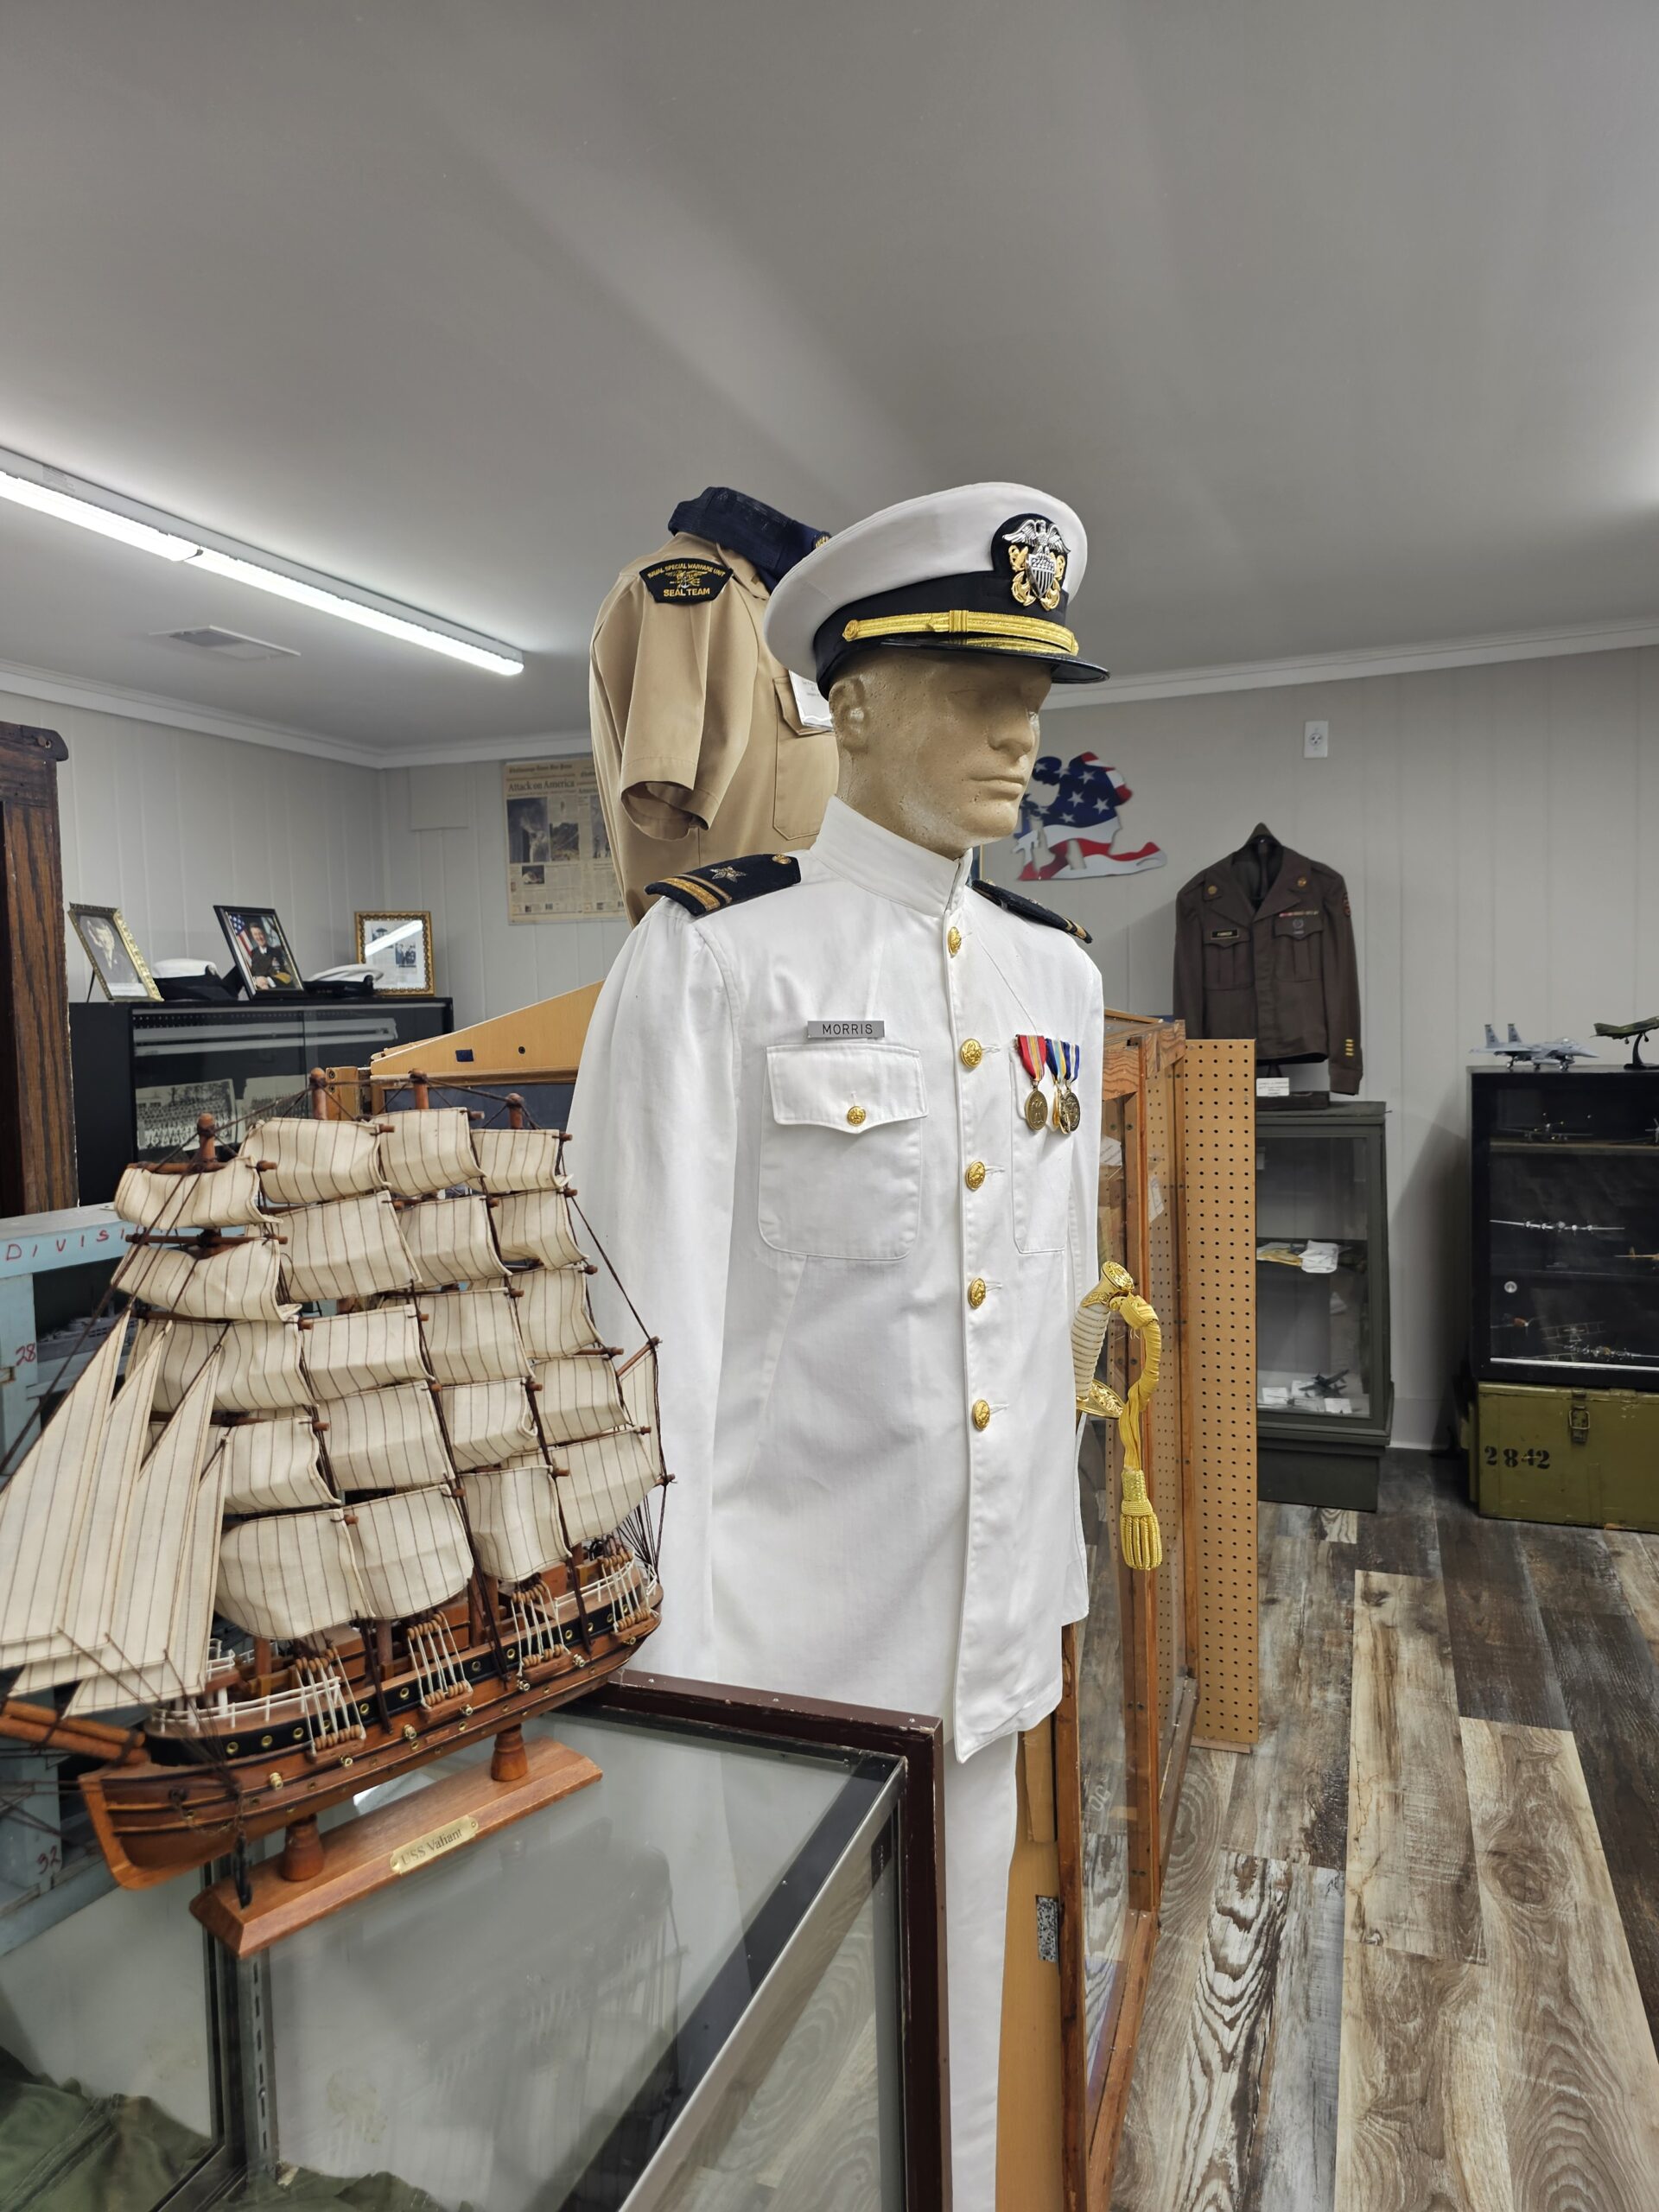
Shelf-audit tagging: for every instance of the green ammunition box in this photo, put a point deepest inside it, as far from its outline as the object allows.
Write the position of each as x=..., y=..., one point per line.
x=1565, y=1455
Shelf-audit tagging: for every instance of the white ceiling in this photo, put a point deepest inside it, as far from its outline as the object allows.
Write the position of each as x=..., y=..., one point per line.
x=1338, y=322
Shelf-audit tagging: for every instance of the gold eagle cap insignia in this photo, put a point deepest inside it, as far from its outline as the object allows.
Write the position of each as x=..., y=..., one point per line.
x=1037, y=555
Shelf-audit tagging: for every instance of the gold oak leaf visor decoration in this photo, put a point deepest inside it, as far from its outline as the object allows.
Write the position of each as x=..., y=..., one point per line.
x=1139, y=1535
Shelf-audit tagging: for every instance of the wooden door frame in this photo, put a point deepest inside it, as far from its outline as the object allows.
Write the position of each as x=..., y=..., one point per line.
x=37, y=1129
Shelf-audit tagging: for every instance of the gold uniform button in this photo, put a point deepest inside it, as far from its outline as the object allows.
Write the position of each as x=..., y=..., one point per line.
x=953, y=940
x=976, y=1174
x=972, y=1052
x=855, y=1114
x=976, y=1293
x=981, y=1414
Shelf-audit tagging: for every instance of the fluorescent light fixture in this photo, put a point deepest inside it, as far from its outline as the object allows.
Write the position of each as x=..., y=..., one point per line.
x=70, y=499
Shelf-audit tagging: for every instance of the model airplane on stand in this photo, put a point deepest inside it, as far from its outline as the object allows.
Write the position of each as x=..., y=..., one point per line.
x=1560, y=1051
x=1635, y=1031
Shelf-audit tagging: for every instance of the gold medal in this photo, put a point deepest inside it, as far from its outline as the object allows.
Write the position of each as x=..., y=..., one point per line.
x=1036, y=1111
x=1034, y=1055
x=1072, y=1111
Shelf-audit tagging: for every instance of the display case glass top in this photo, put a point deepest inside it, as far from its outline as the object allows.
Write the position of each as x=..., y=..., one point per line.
x=1565, y=1226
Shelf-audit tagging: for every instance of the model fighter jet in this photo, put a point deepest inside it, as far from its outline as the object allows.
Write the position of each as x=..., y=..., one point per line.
x=1560, y=1050
x=1635, y=1031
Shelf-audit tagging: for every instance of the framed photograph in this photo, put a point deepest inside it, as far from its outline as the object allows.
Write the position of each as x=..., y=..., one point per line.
x=117, y=962
x=259, y=947
x=399, y=948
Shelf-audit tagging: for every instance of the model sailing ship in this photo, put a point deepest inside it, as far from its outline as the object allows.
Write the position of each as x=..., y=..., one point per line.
x=428, y=1513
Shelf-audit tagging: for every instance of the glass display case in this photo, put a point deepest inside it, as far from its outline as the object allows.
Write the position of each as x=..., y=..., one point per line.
x=1563, y=1183
x=1325, y=1398
x=143, y=1074
x=694, y=1983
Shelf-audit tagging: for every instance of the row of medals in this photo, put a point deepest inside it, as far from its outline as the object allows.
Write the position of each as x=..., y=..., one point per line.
x=1064, y=1113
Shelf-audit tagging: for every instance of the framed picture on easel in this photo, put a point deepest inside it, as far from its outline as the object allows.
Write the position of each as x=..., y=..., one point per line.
x=116, y=960
x=398, y=947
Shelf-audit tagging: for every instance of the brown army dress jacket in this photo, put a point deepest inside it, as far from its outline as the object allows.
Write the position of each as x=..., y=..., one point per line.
x=1283, y=971
x=700, y=750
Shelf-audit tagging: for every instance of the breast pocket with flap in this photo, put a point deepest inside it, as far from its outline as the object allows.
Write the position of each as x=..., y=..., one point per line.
x=840, y=1150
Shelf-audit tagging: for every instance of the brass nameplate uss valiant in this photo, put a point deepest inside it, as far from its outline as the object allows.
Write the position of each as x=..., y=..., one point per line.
x=433, y=1845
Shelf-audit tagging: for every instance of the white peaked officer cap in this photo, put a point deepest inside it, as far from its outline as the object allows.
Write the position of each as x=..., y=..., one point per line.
x=983, y=569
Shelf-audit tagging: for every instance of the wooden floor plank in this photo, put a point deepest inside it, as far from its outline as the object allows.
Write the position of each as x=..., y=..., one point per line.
x=1420, y=2127
x=1145, y=2156
x=1578, y=2075
x=1635, y=1561
x=1572, y=1569
x=1294, y=2166
x=1290, y=1799
x=1500, y=1654
x=1611, y=1682
x=1399, y=1537
x=1411, y=1882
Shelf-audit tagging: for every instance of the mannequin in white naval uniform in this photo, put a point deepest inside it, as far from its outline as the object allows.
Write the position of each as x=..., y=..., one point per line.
x=804, y=1144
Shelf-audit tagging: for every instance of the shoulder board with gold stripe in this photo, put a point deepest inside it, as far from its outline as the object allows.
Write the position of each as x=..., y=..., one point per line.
x=728, y=883
x=1029, y=911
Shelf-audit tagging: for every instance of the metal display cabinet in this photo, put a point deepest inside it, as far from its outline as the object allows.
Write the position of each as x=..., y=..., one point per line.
x=143, y=1073
x=1564, y=1303
x=713, y=1978
x=1324, y=1391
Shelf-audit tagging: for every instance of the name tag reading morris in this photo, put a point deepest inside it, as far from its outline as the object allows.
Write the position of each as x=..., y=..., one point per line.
x=823, y=1032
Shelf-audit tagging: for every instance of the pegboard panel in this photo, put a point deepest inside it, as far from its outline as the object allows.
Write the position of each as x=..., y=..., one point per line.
x=1162, y=1423
x=1220, y=1131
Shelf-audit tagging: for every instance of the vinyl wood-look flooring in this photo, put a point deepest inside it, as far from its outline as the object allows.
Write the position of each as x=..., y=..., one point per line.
x=1410, y=1952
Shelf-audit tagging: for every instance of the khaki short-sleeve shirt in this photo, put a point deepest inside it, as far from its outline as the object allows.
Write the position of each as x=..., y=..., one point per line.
x=702, y=750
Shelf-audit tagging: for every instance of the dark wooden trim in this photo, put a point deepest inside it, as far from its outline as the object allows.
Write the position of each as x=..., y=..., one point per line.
x=1115, y=2097
x=918, y=1740
x=37, y=1135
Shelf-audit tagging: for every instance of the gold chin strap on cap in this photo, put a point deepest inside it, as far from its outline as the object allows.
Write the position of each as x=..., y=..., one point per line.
x=1027, y=633
x=1138, y=1532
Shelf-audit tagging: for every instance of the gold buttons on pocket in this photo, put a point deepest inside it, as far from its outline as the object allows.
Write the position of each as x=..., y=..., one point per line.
x=981, y=1414
x=972, y=1052
x=976, y=1174
x=976, y=1293
x=953, y=940
x=856, y=1116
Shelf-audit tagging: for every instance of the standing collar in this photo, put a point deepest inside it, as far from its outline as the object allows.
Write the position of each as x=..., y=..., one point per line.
x=860, y=851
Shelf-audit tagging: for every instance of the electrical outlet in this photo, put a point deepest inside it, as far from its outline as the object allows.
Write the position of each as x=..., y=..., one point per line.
x=1316, y=741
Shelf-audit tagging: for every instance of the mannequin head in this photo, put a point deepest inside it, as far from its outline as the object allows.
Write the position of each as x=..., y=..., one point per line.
x=938, y=746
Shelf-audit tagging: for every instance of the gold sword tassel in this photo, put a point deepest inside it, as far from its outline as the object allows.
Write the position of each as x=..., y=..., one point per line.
x=1139, y=1535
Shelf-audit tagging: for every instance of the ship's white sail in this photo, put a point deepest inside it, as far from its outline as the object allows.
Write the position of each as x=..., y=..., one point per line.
x=44, y=1507
x=347, y=1249
x=518, y=1159
x=472, y=1336
x=448, y=1241
x=638, y=1378
x=55, y=1652
x=150, y=1560
x=312, y=1161
x=514, y=1516
x=272, y=1466
x=217, y=1197
x=579, y=1397
x=601, y=1481
x=344, y=1353
x=239, y=1281
x=291, y=1574
x=554, y=1320
x=386, y=1439
x=259, y=1370
x=428, y=1149
x=536, y=1225
x=488, y=1422
x=411, y=1553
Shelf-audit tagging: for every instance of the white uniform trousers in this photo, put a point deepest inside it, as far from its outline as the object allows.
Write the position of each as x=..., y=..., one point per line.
x=981, y=1813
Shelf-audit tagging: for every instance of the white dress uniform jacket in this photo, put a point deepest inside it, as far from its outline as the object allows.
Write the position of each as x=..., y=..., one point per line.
x=863, y=1266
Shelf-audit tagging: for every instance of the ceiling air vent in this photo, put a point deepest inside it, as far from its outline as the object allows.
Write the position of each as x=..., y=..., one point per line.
x=226, y=645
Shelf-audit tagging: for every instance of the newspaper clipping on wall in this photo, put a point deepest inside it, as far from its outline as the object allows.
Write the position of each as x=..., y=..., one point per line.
x=558, y=849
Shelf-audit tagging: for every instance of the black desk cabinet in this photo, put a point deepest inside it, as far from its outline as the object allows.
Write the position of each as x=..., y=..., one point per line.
x=143, y=1073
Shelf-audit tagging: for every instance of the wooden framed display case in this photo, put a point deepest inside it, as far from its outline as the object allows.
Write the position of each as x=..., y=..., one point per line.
x=1160, y=1656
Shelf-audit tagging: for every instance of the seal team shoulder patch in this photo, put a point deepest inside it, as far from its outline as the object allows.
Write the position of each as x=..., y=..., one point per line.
x=728, y=883
x=1029, y=911
x=685, y=584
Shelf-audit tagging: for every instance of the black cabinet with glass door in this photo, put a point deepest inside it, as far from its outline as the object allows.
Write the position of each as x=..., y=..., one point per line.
x=1324, y=1392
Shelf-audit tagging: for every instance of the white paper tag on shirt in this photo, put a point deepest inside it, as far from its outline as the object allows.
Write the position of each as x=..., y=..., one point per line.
x=820, y=1033
x=1272, y=1086
x=810, y=704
